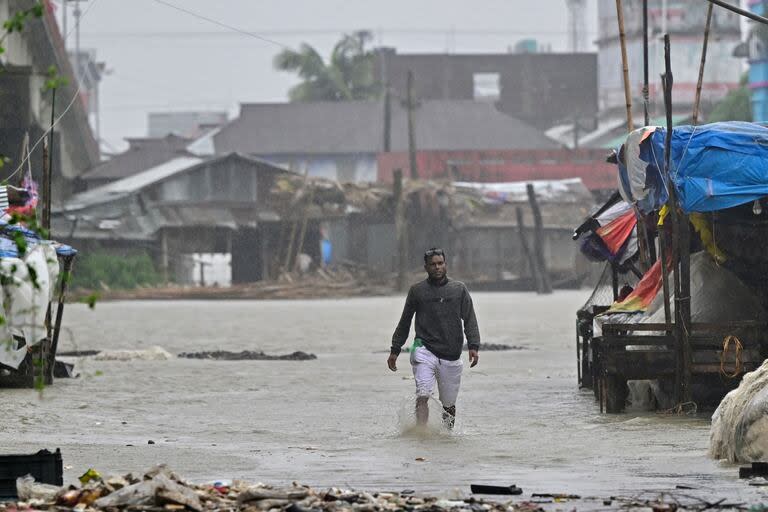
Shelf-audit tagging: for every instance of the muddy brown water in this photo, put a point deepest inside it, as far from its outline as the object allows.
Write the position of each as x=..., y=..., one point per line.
x=343, y=419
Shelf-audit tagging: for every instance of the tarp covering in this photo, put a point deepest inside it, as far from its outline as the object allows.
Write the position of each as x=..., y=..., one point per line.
x=713, y=166
x=643, y=294
x=25, y=304
x=717, y=295
x=614, y=238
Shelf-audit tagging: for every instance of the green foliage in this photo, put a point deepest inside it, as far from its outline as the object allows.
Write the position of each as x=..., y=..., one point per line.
x=347, y=76
x=90, y=300
x=98, y=269
x=17, y=21
x=736, y=106
x=54, y=80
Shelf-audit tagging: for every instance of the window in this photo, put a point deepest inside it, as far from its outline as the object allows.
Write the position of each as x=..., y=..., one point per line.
x=487, y=86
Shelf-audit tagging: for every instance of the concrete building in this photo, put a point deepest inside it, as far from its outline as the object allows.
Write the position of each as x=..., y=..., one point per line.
x=341, y=140
x=542, y=89
x=25, y=106
x=684, y=20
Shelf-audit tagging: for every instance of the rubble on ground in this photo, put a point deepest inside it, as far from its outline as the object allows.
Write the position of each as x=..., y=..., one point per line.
x=248, y=355
x=161, y=490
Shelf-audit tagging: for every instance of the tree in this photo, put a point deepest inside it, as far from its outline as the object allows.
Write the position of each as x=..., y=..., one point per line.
x=347, y=76
x=736, y=106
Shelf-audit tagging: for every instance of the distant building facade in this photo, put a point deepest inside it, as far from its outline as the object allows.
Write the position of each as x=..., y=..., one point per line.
x=684, y=20
x=542, y=89
x=183, y=124
x=341, y=140
x=25, y=105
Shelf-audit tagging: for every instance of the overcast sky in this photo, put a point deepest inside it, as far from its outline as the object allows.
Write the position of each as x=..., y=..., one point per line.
x=162, y=59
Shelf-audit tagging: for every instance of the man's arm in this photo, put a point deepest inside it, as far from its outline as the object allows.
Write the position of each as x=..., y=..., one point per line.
x=471, y=329
x=402, y=330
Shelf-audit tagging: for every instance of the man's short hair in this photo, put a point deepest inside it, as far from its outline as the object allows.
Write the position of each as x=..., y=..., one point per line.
x=434, y=251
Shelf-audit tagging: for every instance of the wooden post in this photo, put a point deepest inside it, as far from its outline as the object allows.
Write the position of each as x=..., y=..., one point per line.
x=288, y=265
x=625, y=65
x=538, y=240
x=681, y=252
x=411, y=129
x=63, y=282
x=529, y=258
x=164, y=255
x=664, y=249
x=697, y=101
x=401, y=230
x=304, y=223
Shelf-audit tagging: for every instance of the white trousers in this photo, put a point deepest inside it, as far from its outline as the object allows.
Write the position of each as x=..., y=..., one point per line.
x=428, y=369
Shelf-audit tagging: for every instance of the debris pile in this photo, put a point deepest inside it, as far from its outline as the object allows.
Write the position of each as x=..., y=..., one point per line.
x=248, y=355
x=322, y=283
x=161, y=490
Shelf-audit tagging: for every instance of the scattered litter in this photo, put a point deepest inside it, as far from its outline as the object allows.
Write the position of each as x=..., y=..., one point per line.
x=512, y=490
x=161, y=489
x=248, y=355
x=497, y=347
x=557, y=496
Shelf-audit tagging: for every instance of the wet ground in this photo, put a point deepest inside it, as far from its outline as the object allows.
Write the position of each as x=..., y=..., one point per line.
x=343, y=419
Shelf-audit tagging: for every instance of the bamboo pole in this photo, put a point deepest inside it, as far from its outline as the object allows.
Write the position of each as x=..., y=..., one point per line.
x=646, y=117
x=288, y=265
x=697, y=101
x=304, y=223
x=625, y=65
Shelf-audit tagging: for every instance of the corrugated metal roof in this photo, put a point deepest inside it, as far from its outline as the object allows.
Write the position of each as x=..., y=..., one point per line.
x=358, y=127
x=131, y=184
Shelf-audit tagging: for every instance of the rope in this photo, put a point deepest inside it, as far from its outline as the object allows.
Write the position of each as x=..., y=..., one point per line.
x=738, y=349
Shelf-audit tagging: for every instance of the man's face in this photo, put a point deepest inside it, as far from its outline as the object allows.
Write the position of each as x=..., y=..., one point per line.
x=435, y=267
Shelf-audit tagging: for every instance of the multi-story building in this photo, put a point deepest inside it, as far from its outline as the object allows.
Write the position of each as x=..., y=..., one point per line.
x=684, y=20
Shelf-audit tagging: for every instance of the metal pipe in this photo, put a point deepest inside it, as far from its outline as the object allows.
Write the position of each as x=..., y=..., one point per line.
x=740, y=12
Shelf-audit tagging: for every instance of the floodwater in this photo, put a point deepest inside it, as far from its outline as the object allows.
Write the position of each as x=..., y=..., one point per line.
x=343, y=419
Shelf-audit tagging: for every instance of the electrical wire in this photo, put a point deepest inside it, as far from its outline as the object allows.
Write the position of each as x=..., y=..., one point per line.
x=222, y=24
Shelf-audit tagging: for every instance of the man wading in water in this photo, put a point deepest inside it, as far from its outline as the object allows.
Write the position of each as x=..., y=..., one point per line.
x=441, y=305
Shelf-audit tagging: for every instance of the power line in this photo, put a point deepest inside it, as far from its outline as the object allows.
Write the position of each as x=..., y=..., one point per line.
x=324, y=32
x=222, y=24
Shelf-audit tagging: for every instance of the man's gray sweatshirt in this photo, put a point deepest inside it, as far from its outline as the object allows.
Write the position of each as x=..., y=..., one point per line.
x=440, y=310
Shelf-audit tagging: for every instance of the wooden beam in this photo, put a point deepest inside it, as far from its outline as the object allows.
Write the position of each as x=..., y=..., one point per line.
x=538, y=241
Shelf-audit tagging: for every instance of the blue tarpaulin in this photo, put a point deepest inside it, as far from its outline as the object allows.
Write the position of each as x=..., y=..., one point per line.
x=713, y=166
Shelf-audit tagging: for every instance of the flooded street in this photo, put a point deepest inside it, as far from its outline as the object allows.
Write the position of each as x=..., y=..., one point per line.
x=338, y=420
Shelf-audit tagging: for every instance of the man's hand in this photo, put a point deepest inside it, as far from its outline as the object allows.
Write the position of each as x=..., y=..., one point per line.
x=473, y=358
x=392, y=362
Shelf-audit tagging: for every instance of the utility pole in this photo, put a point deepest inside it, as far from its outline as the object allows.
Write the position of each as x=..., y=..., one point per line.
x=411, y=106
x=387, y=119
x=77, y=14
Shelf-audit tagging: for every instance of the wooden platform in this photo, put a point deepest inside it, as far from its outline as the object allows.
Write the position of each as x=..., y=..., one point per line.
x=622, y=354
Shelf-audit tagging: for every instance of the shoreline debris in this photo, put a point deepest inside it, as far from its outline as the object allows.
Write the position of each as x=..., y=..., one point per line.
x=247, y=355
